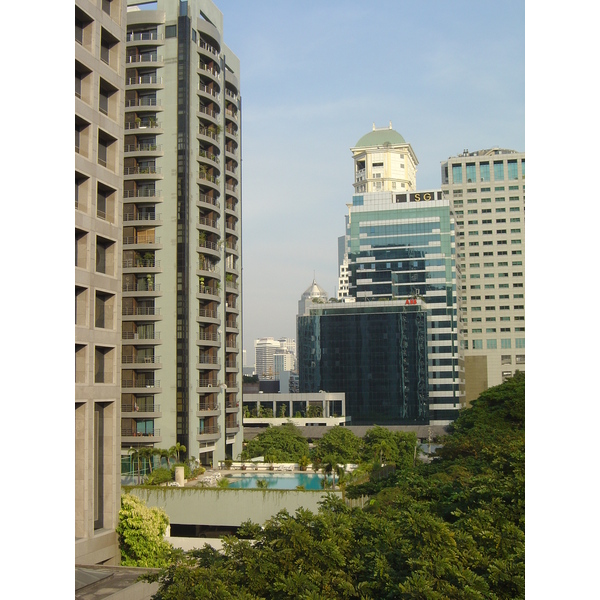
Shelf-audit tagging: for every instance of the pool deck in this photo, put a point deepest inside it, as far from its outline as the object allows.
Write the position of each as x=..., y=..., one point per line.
x=211, y=476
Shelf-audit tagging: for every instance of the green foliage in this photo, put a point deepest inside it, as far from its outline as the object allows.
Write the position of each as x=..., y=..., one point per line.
x=141, y=533
x=453, y=529
x=284, y=443
x=158, y=476
x=340, y=443
x=385, y=447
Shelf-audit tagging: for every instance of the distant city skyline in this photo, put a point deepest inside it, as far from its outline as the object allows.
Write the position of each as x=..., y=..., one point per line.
x=315, y=77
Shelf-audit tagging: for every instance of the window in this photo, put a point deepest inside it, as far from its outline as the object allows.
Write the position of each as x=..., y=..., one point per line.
x=105, y=256
x=81, y=238
x=491, y=344
x=477, y=344
x=512, y=169
x=81, y=305
x=498, y=170
x=484, y=171
x=170, y=31
x=456, y=173
x=490, y=330
x=478, y=330
x=104, y=364
x=523, y=169
x=520, y=343
x=520, y=359
x=470, y=172
x=104, y=310
x=505, y=344
x=506, y=359
x=106, y=6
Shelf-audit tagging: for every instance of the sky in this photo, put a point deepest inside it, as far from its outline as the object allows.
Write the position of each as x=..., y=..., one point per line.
x=315, y=77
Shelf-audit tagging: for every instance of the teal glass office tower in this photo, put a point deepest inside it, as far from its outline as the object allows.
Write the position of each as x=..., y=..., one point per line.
x=400, y=245
x=376, y=353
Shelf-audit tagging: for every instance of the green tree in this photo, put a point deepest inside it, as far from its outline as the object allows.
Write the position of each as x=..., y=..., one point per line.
x=339, y=442
x=141, y=532
x=284, y=443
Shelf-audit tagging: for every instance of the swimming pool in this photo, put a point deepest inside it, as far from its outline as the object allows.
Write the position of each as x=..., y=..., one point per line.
x=276, y=481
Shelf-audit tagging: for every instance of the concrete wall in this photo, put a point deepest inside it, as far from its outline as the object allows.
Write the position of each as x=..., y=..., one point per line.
x=198, y=506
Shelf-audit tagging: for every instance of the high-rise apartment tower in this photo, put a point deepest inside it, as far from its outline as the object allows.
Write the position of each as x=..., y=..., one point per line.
x=99, y=99
x=487, y=193
x=181, y=358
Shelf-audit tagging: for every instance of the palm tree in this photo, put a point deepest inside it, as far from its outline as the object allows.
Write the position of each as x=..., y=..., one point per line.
x=166, y=454
x=135, y=457
x=176, y=449
x=147, y=452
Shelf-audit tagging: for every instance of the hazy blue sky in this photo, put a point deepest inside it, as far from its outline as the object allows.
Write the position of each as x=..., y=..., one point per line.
x=315, y=76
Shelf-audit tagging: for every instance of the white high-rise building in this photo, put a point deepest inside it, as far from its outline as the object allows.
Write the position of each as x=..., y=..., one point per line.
x=486, y=189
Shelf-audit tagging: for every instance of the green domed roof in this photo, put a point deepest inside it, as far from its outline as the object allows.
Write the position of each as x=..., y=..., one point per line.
x=379, y=137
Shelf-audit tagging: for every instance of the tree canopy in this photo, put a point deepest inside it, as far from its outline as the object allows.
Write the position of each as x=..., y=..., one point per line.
x=279, y=444
x=453, y=529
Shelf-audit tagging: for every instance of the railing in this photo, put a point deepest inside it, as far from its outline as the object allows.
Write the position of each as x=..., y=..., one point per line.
x=208, y=48
x=230, y=94
x=207, y=383
x=208, y=222
x=209, y=430
x=149, y=170
x=231, y=114
x=143, y=58
x=128, y=432
x=143, y=36
x=208, y=200
x=231, y=364
x=232, y=285
x=143, y=148
x=207, y=244
x=142, y=360
x=230, y=205
x=141, y=217
x=207, y=111
x=145, y=80
x=210, y=337
x=130, y=240
x=142, y=102
x=140, y=311
x=208, y=177
x=142, y=125
x=207, y=90
x=206, y=265
x=208, y=406
x=231, y=132
x=230, y=187
x=207, y=133
x=209, y=155
x=141, y=263
x=205, y=289
x=207, y=314
x=132, y=335
x=214, y=72
x=207, y=359
x=141, y=193
x=132, y=383
x=141, y=287
x=231, y=324
x=134, y=407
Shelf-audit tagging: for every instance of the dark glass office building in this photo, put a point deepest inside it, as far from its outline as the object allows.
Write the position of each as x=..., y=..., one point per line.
x=376, y=353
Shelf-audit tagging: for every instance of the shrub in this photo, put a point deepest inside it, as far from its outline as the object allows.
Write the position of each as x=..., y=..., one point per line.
x=160, y=475
x=186, y=470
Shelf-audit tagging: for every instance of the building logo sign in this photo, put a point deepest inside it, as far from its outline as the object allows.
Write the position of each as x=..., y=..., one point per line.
x=419, y=197
x=411, y=301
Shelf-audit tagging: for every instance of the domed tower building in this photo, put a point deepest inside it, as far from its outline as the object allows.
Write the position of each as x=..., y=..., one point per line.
x=384, y=162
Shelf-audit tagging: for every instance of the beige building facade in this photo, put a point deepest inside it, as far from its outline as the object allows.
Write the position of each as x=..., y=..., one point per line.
x=487, y=194
x=181, y=317
x=99, y=101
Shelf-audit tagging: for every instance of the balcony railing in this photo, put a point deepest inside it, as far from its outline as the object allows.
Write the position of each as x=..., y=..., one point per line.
x=141, y=287
x=207, y=244
x=144, y=80
x=132, y=383
x=209, y=337
x=207, y=382
x=208, y=48
x=130, y=240
x=209, y=430
x=132, y=335
x=141, y=263
x=127, y=407
x=208, y=406
x=142, y=360
x=206, y=265
x=144, y=58
x=207, y=90
x=207, y=177
x=208, y=314
x=208, y=200
x=149, y=170
x=141, y=193
x=141, y=217
x=208, y=133
x=209, y=155
x=143, y=36
x=206, y=359
x=143, y=148
x=142, y=102
x=208, y=222
x=205, y=289
x=142, y=125
x=143, y=311
x=128, y=432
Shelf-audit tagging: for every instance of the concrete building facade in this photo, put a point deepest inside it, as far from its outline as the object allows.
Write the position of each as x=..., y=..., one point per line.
x=181, y=358
x=99, y=109
x=486, y=190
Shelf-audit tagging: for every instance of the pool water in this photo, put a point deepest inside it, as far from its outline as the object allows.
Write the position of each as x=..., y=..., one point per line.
x=276, y=481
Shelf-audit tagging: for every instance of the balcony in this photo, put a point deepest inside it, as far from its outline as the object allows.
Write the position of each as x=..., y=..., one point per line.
x=141, y=193
x=207, y=361
x=145, y=335
x=141, y=362
x=142, y=125
x=144, y=80
x=130, y=435
x=141, y=217
x=141, y=411
x=143, y=148
x=147, y=170
x=207, y=338
x=208, y=383
x=208, y=409
x=141, y=263
x=143, y=36
x=208, y=290
x=151, y=386
x=207, y=90
x=208, y=200
x=144, y=59
x=208, y=433
x=131, y=240
x=204, y=313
